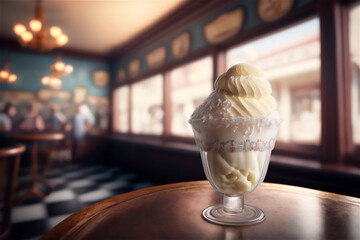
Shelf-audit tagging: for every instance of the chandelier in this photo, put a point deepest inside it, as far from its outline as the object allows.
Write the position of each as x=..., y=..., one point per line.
x=39, y=38
x=59, y=69
x=5, y=74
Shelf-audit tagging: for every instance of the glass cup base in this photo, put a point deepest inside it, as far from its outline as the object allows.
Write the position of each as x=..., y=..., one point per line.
x=249, y=215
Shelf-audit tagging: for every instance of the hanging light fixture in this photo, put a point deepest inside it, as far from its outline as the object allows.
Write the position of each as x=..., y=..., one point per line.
x=59, y=69
x=40, y=38
x=5, y=74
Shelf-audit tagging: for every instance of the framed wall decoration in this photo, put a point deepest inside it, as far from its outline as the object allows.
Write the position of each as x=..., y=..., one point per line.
x=79, y=95
x=225, y=26
x=121, y=75
x=98, y=101
x=180, y=46
x=134, y=68
x=45, y=94
x=15, y=97
x=101, y=78
x=156, y=58
x=272, y=10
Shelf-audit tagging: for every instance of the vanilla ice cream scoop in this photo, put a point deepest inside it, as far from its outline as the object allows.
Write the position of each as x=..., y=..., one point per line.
x=236, y=128
x=240, y=92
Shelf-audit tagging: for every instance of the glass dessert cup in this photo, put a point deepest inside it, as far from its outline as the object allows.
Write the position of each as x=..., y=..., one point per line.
x=235, y=182
x=235, y=154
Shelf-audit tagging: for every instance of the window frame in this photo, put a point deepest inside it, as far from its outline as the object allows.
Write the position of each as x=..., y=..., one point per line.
x=352, y=149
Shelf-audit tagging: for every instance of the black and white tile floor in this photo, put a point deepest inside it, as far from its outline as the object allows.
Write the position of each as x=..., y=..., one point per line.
x=77, y=186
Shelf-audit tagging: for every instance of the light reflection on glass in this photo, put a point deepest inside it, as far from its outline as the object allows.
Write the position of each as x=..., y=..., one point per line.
x=190, y=85
x=291, y=62
x=147, y=106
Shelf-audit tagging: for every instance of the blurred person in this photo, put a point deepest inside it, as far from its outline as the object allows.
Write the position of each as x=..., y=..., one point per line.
x=32, y=120
x=57, y=119
x=10, y=110
x=5, y=120
x=82, y=123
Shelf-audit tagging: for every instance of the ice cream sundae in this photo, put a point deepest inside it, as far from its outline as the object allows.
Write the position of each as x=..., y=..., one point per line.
x=235, y=129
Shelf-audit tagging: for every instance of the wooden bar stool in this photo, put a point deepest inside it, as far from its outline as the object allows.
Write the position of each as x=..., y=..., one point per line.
x=34, y=138
x=9, y=155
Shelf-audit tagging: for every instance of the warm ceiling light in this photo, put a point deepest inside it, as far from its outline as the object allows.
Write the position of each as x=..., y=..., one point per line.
x=59, y=66
x=19, y=29
x=55, y=31
x=4, y=74
x=35, y=25
x=69, y=69
x=27, y=36
x=62, y=39
x=12, y=78
x=58, y=69
x=40, y=38
x=55, y=83
x=45, y=80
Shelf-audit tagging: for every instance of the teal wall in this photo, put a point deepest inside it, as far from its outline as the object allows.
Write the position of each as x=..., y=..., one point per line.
x=197, y=37
x=31, y=67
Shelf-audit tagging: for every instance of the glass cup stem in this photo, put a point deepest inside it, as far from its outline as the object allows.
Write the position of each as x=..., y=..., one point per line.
x=233, y=205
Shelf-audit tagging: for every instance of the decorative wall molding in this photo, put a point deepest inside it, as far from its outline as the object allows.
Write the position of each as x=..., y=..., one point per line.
x=134, y=68
x=121, y=75
x=98, y=101
x=224, y=27
x=180, y=46
x=101, y=78
x=156, y=58
x=46, y=94
x=269, y=10
x=79, y=95
x=16, y=97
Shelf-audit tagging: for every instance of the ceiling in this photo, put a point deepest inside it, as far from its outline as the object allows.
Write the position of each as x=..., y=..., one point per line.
x=96, y=26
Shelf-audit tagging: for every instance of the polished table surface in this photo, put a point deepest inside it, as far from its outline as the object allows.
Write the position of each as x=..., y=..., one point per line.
x=174, y=212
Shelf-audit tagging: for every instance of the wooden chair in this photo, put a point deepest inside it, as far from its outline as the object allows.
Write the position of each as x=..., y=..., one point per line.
x=9, y=155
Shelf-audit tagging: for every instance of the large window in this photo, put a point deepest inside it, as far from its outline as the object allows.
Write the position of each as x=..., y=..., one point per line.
x=147, y=106
x=291, y=62
x=121, y=107
x=190, y=85
x=355, y=73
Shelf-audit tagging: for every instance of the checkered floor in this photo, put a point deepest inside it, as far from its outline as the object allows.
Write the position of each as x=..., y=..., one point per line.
x=77, y=186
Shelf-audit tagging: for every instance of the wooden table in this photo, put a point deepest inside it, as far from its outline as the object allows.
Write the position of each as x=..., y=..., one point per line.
x=9, y=155
x=174, y=212
x=33, y=139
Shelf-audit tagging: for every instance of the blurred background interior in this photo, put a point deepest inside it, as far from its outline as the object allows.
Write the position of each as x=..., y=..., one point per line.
x=120, y=79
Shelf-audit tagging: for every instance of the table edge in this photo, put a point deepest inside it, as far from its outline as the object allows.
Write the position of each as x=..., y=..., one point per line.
x=37, y=136
x=12, y=151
